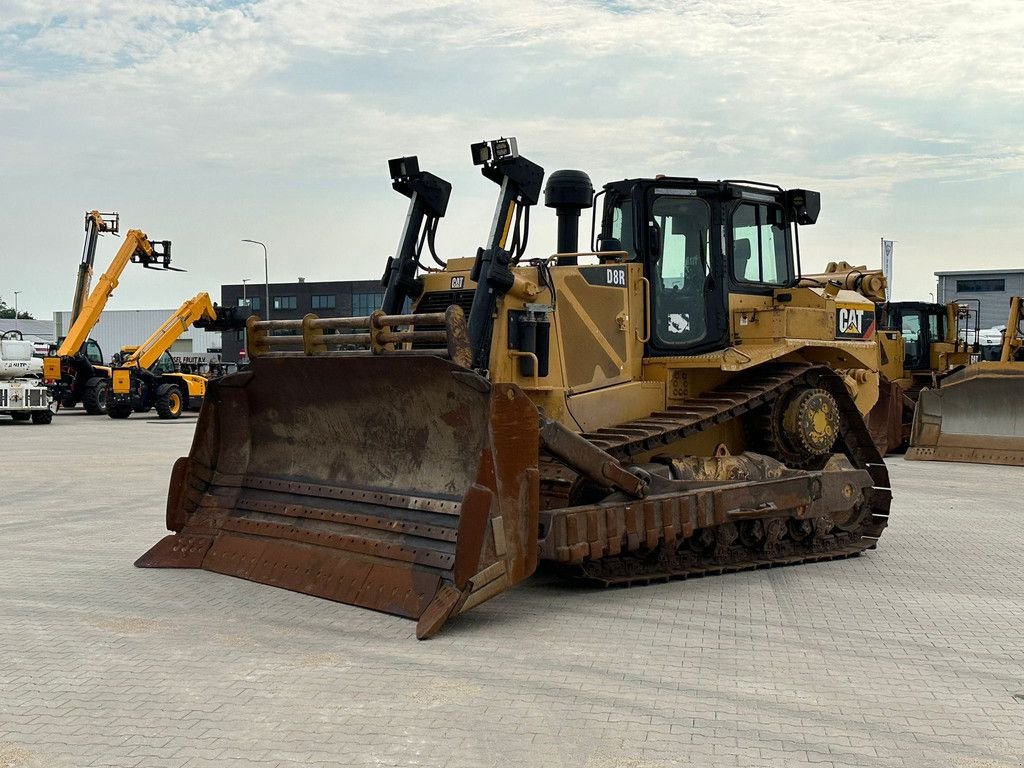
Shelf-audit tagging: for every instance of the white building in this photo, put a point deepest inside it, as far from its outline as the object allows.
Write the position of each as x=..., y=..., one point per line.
x=119, y=328
x=990, y=288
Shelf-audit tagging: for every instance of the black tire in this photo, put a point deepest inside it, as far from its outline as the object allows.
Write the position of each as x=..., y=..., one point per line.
x=21, y=416
x=94, y=399
x=170, y=403
x=42, y=417
x=68, y=401
x=119, y=410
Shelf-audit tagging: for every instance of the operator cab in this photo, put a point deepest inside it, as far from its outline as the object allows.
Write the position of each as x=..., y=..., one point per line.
x=921, y=324
x=700, y=241
x=90, y=350
x=164, y=364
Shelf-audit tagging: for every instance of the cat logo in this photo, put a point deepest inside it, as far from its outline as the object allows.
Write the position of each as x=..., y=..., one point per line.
x=458, y=283
x=854, y=322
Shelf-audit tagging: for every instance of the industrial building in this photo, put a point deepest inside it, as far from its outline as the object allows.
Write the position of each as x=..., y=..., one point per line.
x=130, y=327
x=33, y=330
x=293, y=301
x=991, y=288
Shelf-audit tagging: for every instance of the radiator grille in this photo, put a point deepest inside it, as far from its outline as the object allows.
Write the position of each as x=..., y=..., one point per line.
x=439, y=301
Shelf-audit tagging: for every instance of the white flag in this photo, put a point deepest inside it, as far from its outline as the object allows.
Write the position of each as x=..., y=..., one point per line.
x=887, y=266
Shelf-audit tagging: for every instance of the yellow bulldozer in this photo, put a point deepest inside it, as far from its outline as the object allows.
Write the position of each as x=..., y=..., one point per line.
x=920, y=343
x=976, y=414
x=664, y=406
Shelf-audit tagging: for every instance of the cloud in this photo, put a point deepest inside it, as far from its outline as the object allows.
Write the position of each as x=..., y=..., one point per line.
x=171, y=100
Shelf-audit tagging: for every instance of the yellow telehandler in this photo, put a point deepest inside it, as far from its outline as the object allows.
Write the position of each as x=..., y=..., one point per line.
x=665, y=406
x=146, y=377
x=76, y=373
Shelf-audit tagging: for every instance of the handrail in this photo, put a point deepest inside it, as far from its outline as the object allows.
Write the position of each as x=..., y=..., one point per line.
x=647, y=312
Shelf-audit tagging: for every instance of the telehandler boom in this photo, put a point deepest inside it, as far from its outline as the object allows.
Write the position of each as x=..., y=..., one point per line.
x=96, y=224
x=667, y=406
x=146, y=378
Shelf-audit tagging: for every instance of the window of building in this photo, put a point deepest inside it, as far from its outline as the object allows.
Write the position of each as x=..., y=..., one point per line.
x=366, y=303
x=981, y=285
x=324, y=302
x=252, y=302
x=285, y=302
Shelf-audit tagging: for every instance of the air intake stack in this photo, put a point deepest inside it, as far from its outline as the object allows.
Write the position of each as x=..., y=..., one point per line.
x=568, y=192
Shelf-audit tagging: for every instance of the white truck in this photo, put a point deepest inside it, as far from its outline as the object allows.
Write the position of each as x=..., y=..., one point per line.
x=23, y=395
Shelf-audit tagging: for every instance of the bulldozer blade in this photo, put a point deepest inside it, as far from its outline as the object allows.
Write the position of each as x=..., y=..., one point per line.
x=404, y=484
x=976, y=415
x=885, y=419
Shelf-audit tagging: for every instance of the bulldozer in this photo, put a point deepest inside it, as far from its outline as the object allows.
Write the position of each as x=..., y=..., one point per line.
x=919, y=344
x=667, y=405
x=976, y=414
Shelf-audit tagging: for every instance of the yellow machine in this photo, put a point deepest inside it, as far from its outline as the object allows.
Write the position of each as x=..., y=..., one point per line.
x=919, y=344
x=976, y=414
x=96, y=224
x=667, y=406
x=147, y=378
x=76, y=373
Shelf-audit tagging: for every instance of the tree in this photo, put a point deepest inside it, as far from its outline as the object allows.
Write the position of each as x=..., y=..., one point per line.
x=7, y=313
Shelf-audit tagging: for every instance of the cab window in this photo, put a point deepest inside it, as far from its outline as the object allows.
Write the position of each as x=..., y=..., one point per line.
x=622, y=226
x=680, y=227
x=93, y=353
x=164, y=364
x=759, y=245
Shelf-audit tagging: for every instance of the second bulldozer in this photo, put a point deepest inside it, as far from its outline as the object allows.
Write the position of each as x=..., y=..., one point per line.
x=976, y=414
x=667, y=406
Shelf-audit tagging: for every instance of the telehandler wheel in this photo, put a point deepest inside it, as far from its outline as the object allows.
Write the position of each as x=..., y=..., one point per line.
x=68, y=401
x=94, y=399
x=169, y=403
x=119, y=410
x=42, y=417
x=21, y=416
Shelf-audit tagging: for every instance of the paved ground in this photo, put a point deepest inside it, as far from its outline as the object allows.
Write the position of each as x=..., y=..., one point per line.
x=910, y=656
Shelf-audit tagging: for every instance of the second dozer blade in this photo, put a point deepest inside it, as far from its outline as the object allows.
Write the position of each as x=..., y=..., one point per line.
x=976, y=415
x=403, y=484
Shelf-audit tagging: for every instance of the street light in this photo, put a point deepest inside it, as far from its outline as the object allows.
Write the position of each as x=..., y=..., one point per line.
x=16, y=309
x=266, y=271
x=245, y=280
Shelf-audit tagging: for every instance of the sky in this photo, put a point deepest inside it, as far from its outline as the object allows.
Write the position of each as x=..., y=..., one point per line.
x=208, y=122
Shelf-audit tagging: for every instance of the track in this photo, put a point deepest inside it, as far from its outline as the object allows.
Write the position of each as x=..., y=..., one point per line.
x=719, y=548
